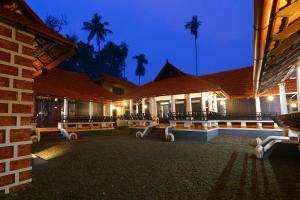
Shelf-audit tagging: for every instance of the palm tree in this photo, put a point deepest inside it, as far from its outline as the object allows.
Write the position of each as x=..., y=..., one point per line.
x=96, y=28
x=140, y=69
x=193, y=26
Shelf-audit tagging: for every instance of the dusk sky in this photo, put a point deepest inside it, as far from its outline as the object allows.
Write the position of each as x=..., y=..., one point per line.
x=156, y=29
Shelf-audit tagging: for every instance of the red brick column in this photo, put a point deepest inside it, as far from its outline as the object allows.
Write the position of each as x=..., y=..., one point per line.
x=16, y=57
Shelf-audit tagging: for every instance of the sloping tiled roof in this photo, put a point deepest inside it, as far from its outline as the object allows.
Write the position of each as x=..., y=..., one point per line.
x=290, y=87
x=182, y=84
x=237, y=83
x=73, y=85
x=115, y=80
x=52, y=48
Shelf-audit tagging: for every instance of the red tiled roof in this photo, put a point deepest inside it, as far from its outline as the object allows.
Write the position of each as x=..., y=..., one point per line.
x=115, y=80
x=73, y=85
x=237, y=83
x=33, y=23
x=290, y=86
x=23, y=17
x=183, y=84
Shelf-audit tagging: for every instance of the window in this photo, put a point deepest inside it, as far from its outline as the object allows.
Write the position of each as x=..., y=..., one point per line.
x=117, y=90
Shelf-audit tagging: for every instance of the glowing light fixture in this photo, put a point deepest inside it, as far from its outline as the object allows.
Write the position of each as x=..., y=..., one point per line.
x=145, y=106
x=222, y=102
x=293, y=105
x=124, y=103
x=270, y=98
x=113, y=107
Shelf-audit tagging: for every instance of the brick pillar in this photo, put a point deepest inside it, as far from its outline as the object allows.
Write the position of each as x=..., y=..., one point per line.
x=16, y=99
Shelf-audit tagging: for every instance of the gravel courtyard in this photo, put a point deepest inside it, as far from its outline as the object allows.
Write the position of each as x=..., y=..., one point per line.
x=114, y=165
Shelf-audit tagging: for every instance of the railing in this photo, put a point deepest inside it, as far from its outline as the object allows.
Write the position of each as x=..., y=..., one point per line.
x=75, y=119
x=291, y=121
x=143, y=116
x=206, y=116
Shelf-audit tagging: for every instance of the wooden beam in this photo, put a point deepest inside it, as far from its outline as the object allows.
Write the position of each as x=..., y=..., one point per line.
x=290, y=10
x=54, y=63
x=291, y=29
x=294, y=39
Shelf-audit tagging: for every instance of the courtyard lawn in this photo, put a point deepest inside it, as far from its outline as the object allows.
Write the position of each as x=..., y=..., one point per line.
x=114, y=165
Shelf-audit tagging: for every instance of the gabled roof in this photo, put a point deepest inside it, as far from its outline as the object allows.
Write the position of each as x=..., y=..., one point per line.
x=237, y=83
x=169, y=71
x=52, y=48
x=180, y=83
x=73, y=85
x=115, y=81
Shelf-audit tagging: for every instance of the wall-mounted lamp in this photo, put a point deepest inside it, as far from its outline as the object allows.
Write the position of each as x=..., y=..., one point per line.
x=270, y=98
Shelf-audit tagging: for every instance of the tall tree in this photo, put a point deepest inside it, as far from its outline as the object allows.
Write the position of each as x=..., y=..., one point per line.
x=111, y=59
x=97, y=29
x=83, y=61
x=193, y=27
x=140, y=69
x=56, y=23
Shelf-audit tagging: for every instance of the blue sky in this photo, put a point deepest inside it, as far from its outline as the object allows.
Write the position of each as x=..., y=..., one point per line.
x=156, y=28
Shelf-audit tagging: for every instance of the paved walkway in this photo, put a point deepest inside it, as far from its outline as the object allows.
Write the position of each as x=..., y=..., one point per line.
x=113, y=165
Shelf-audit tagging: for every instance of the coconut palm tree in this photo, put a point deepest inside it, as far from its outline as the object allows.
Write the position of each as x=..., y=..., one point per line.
x=96, y=28
x=140, y=69
x=193, y=26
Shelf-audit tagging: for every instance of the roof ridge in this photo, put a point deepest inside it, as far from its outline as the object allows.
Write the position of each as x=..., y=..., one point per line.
x=229, y=70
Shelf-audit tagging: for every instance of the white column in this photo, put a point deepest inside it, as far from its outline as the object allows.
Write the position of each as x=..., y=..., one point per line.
x=66, y=108
x=104, y=110
x=137, y=108
x=188, y=103
x=257, y=104
x=131, y=106
x=154, y=107
x=210, y=98
x=298, y=84
x=283, y=104
x=203, y=102
x=215, y=103
x=91, y=109
x=143, y=106
x=258, y=110
x=151, y=107
x=173, y=104
x=111, y=109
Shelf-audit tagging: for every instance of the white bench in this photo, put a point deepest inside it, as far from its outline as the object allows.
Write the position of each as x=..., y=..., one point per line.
x=70, y=130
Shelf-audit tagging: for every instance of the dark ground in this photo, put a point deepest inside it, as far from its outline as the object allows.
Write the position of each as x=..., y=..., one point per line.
x=113, y=165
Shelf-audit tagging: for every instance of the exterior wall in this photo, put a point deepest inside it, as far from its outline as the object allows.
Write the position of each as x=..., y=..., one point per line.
x=98, y=109
x=270, y=106
x=48, y=111
x=248, y=105
x=16, y=57
x=82, y=109
x=240, y=105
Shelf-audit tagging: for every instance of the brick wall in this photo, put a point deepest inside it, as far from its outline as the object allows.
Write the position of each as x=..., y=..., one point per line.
x=16, y=56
